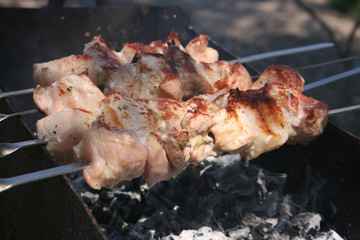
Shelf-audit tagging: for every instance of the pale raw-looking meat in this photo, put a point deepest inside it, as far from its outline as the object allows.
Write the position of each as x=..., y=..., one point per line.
x=63, y=130
x=117, y=153
x=73, y=91
x=98, y=59
x=249, y=122
x=175, y=75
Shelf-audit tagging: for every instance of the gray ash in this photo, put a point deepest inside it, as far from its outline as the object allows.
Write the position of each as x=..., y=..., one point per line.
x=222, y=199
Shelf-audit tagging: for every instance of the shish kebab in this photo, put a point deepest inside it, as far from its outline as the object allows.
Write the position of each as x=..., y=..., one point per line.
x=206, y=54
x=175, y=75
x=298, y=119
x=151, y=178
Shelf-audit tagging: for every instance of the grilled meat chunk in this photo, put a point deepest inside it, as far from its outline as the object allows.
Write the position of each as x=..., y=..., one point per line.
x=63, y=130
x=47, y=73
x=73, y=91
x=116, y=156
x=199, y=50
x=122, y=117
x=282, y=75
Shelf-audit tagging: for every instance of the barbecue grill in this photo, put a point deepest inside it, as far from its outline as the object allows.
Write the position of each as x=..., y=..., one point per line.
x=53, y=208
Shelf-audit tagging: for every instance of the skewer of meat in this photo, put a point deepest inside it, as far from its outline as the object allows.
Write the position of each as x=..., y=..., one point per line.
x=98, y=59
x=157, y=139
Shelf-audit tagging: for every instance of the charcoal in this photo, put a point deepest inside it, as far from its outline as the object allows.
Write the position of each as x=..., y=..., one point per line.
x=203, y=233
x=222, y=199
x=241, y=233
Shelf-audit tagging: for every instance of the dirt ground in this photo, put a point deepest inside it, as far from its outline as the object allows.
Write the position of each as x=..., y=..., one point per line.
x=248, y=27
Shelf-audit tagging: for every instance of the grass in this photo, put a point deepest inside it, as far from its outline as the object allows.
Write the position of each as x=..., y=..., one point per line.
x=351, y=7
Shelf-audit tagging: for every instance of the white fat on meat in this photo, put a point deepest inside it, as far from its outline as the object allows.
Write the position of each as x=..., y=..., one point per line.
x=73, y=91
x=63, y=130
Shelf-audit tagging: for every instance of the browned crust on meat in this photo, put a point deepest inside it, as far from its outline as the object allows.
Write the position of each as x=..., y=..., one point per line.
x=166, y=107
x=201, y=104
x=108, y=55
x=282, y=74
x=261, y=102
x=139, y=47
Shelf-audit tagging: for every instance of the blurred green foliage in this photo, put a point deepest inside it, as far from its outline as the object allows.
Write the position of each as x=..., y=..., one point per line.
x=347, y=6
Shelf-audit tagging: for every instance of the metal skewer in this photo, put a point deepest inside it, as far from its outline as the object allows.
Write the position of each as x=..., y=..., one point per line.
x=5, y=116
x=344, y=110
x=283, y=52
x=331, y=79
x=247, y=59
x=8, y=148
x=16, y=93
x=7, y=183
x=307, y=87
